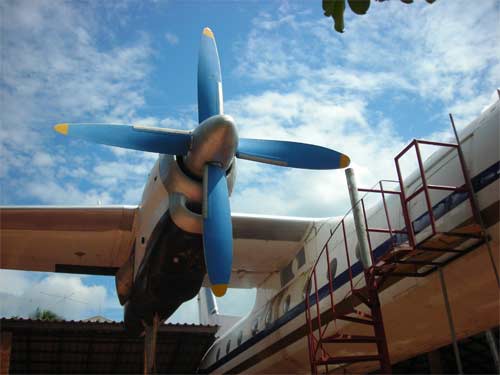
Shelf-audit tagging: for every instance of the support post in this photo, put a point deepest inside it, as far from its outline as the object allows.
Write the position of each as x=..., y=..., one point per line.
x=383, y=350
x=151, y=334
x=366, y=259
x=493, y=348
x=450, y=322
x=364, y=250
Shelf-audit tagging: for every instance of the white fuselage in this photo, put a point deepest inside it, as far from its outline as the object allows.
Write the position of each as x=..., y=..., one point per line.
x=273, y=337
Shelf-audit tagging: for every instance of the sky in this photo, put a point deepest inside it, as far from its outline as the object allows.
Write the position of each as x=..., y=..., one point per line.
x=394, y=75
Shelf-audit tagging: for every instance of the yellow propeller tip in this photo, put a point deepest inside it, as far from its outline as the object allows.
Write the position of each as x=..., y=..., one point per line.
x=219, y=290
x=208, y=32
x=62, y=128
x=344, y=161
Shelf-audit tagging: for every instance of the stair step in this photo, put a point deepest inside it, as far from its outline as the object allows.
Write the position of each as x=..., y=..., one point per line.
x=354, y=339
x=418, y=262
x=440, y=250
x=348, y=359
x=476, y=235
x=384, y=269
x=395, y=254
x=355, y=320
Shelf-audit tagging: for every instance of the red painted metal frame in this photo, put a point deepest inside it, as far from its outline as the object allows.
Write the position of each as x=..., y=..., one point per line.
x=389, y=230
x=317, y=335
x=426, y=187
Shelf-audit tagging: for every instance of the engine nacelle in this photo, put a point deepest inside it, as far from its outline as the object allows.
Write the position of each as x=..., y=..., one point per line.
x=186, y=192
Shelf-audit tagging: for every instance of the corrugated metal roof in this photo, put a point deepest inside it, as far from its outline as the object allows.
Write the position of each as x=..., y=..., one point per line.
x=40, y=346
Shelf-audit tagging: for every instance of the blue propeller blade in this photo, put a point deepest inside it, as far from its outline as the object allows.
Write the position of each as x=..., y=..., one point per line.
x=290, y=154
x=163, y=141
x=209, y=78
x=217, y=229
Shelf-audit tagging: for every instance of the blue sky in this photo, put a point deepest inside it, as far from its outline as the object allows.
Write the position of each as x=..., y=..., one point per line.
x=393, y=75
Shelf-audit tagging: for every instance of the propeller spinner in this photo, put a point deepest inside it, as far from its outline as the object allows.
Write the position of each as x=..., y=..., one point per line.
x=208, y=152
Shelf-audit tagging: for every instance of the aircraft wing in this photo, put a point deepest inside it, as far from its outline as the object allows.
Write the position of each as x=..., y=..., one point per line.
x=88, y=240
x=263, y=245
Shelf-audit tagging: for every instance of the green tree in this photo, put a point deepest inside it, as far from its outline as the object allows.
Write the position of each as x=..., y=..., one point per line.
x=336, y=8
x=42, y=314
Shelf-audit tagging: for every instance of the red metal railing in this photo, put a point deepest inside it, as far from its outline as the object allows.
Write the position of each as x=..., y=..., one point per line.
x=318, y=335
x=406, y=230
x=426, y=187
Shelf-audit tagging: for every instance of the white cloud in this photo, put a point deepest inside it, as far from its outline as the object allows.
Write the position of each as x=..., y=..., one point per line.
x=69, y=296
x=42, y=159
x=172, y=39
x=54, y=192
x=439, y=51
x=345, y=127
x=325, y=84
x=54, y=70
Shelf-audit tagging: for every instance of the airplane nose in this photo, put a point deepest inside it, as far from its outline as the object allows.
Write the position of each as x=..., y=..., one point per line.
x=215, y=140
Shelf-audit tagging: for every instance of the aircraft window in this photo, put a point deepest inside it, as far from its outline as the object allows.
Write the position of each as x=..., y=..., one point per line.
x=217, y=356
x=240, y=338
x=301, y=258
x=269, y=316
x=255, y=326
x=286, y=304
x=156, y=177
x=228, y=346
x=143, y=240
x=307, y=289
x=333, y=269
x=286, y=274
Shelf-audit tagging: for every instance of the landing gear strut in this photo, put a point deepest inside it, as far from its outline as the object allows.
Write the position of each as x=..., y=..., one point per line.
x=151, y=334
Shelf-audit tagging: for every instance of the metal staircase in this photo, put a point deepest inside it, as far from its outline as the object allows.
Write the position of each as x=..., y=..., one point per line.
x=415, y=250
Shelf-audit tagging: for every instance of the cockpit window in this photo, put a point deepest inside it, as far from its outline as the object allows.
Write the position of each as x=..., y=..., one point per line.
x=269, y=316
x=286, y=304
x=255, y=326
x=333, y=269
x=301, y=258
x=307, y=288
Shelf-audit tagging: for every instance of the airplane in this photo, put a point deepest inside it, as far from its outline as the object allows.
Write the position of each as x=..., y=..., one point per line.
x=275, y=255
x=161, y=250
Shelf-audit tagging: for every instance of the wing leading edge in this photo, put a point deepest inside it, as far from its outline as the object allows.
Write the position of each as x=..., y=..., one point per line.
x=87, y=240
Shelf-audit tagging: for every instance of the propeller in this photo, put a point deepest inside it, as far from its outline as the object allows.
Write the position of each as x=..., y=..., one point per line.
x=141, y=138
x=217, y=227
x=290, y=154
